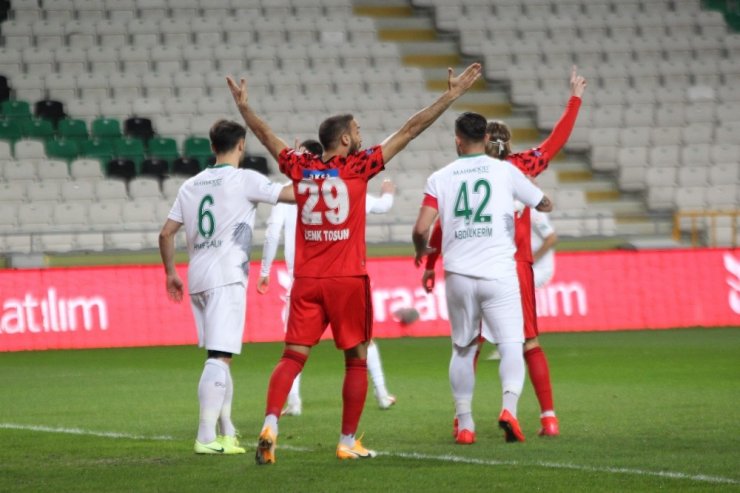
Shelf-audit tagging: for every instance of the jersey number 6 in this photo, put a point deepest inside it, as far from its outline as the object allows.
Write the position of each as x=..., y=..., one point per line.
x=336, y=198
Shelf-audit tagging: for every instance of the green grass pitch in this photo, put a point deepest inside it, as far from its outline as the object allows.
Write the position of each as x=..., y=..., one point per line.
x=639, y=411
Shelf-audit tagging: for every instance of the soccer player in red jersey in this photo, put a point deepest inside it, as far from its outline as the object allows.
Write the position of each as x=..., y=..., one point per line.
x=331, y=286
x=531, y=162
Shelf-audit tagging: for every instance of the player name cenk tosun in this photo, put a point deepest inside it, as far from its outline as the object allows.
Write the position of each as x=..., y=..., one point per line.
x=327, y=235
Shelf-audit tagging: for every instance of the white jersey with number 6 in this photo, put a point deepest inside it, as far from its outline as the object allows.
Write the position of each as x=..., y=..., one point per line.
x=217, y=208
x=475, y=199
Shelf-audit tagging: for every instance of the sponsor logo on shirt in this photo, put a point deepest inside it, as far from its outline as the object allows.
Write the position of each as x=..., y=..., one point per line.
x=467, y=171
x=320, y=174
x=209, y=183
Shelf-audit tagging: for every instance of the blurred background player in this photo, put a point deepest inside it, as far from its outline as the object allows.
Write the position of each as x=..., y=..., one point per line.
x=217, y=207
x=282, y=219
x=330, y=285
x=474, y=199
x=531, y=162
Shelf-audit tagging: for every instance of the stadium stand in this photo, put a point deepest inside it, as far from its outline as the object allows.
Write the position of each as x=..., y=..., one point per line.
x=130, y=88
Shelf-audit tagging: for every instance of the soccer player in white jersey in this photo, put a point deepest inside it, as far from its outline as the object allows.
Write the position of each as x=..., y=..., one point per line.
x=543, y=244
x=283, y=218
x=474, y=198
x=217, y=207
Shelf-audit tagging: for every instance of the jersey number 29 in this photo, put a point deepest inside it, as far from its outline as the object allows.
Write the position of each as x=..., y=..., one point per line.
x=335, y=195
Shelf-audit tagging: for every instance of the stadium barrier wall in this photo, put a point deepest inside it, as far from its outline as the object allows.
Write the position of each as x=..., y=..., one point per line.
x=64, y=308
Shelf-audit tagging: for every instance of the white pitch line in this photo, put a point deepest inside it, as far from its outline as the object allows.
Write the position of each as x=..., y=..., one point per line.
x=411, y=455
x=78, y=431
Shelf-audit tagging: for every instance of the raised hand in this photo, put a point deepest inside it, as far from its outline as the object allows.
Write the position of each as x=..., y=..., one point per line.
x=459, y=84
x=239, y=92
x=577, y=83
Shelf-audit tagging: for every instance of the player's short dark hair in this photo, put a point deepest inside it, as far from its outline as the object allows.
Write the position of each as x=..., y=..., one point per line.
x=331, y=130
x=313, y=146
x=471, y=127
x=499, y=139
x=225, y=135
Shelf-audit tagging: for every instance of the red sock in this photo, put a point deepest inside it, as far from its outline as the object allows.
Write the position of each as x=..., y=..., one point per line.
x=289, y=366
x=539, y=374
x=354, y=392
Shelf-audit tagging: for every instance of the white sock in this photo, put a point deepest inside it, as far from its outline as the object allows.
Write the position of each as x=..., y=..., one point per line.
x=348, y=440
x=211, y=393
x=511, y=371
x=224, y=419
x=375, y=369
x=462, y=382
x=294, y=396
x=272, y=421
x=548, y=414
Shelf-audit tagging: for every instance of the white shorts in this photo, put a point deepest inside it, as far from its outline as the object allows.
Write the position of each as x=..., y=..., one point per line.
x=220, y=314
x=494, y=301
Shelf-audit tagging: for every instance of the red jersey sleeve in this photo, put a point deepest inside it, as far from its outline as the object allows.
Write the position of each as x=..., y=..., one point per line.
x=535, y=161
x=435, y=241
x=365, y=163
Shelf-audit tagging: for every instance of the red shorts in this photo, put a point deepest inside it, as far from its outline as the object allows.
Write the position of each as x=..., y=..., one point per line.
x=342, y=302
x=529, y=307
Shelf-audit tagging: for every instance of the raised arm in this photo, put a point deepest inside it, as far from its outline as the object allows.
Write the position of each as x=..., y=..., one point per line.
x=414, y=126
x=261, y=130
x=382, y=204
x=563, y=128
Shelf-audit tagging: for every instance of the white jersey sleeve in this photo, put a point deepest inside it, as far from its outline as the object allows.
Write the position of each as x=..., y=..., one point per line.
x=544, y=268
x=275, y=224
x=378, y=205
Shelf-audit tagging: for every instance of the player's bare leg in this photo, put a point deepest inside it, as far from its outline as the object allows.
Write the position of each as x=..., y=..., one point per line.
x=289, y=366
x=539, y=374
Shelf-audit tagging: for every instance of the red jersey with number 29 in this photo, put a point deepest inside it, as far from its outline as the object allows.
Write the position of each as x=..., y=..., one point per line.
x=330, y=227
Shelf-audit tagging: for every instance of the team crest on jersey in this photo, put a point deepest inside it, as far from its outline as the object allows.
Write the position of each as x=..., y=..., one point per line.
x=320, y=174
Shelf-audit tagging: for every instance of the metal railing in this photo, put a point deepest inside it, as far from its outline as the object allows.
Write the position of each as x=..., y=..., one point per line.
x=699, y=218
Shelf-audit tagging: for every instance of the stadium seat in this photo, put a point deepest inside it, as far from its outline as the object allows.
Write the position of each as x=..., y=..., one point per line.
x=62, y=148
x=105, y=216
x=70, y=216
x=72, y=129
x=108, y=129
x=144, y=188
x=198, y=148
x=129, y=148
x=121, y=168
x=10, y=131
x=139, y=128
x=154, y=167
x=77, y=191
x=20, y=171
x=170, y=187
x=53, y=170
x=99, y=149
x=16, y=110
x=29, y=149
x=80, y=35
x=33, y=218
x=12, y=192
x=86, y=169
x=187, y=166
x=37, y=129
x=111, y=190
x=139, y=216
x=51, y=110
x=163, y=148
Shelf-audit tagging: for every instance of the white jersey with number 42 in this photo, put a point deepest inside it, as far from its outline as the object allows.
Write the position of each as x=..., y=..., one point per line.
x=475, y=200
x=217, y=208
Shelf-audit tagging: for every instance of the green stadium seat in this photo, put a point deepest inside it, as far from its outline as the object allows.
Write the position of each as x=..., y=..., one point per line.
x=106, y=128
x=10, y=130
x=16, y=109
x=99, y=149
x=72, y=129
x=163, y=148
x=198, y=148
x=37, y=129
x=62, y=148
x=129, y=148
